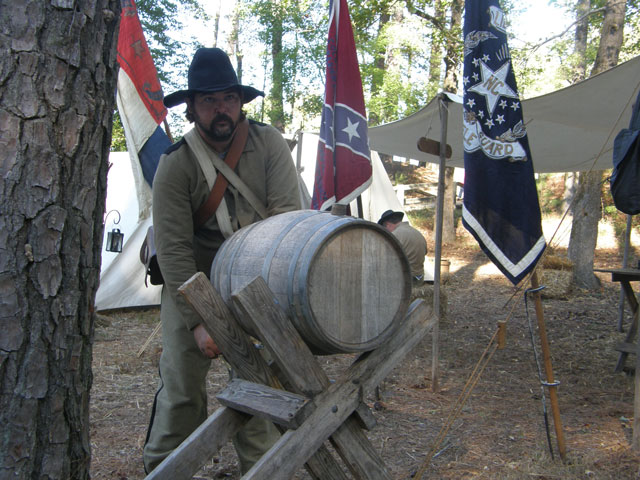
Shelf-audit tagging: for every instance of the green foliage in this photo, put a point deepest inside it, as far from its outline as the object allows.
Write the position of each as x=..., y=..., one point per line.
x=400, y=178
x=162, y=21
x=551, y=193
x=118, y=142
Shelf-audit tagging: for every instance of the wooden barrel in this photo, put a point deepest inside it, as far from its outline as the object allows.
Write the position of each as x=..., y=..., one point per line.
x=344, y=282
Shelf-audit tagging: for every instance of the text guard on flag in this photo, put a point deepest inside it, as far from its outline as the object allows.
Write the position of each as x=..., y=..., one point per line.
x=343, y=164
x=501, y=207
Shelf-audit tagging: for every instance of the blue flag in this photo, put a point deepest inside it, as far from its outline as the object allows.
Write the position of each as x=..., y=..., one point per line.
x=501, y=208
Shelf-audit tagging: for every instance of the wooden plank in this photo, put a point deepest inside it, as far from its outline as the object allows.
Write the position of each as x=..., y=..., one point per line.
x=428, y=145
x=365, y=417
x=296, y=362
x=626, y=347
x=633, y=328
x=200, y=446
x=233, y=342
x=243, y=357
x=334, y=405
x=279, y=406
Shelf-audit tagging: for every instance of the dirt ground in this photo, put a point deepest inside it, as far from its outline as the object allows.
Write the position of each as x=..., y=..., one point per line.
x=499, y=433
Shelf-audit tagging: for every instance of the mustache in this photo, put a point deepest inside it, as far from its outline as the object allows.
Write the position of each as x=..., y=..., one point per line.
x=222, y=117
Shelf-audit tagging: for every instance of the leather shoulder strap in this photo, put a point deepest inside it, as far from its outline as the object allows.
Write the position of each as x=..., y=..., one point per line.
x=209, y=207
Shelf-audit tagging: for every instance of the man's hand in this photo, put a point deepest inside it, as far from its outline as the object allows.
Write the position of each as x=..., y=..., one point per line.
x=205, y=343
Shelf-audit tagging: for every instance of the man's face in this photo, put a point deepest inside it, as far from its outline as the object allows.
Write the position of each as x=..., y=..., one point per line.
x=216, y=114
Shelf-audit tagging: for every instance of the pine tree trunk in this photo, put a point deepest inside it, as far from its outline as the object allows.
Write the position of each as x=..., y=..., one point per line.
x=452, y=63
x=587, y=208
x=58, y=82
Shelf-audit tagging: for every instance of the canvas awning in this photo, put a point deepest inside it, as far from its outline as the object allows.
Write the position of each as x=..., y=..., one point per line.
x=568, y=129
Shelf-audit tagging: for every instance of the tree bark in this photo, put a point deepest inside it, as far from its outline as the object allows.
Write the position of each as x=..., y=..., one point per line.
x=452, y=65
x=276, y=114
x=587, y=208
x=58, y=74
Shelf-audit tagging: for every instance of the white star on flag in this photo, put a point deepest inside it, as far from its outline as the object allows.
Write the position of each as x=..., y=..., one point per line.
x=493, y=85
x=351, y=129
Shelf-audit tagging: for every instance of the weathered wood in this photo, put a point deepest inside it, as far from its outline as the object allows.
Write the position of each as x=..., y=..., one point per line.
x=281, y=407
x=303, y=373
x=339, y=400
x=201, y=445
x=308, y=259
x=428, y=145
x=626, y=347
x=220, y=323
x=365, y=417
x=243, y=357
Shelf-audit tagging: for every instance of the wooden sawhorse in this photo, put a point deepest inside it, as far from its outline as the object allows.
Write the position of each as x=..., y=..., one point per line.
x=296, y=394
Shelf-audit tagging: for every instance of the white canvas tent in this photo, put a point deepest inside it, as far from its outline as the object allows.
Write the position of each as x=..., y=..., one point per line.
x=568, y=129
x=122, y=274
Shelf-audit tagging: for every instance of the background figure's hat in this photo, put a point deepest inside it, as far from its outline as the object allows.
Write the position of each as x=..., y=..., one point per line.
x=210, y=71
x=390, y=216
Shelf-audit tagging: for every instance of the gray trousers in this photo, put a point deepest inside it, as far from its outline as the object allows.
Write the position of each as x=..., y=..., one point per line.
x=180, y=405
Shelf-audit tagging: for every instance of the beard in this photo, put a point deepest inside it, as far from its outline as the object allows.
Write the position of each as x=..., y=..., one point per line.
x=221, y=127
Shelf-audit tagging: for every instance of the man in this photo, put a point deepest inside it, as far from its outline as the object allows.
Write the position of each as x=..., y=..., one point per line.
x=412, y=241
x=214, y=100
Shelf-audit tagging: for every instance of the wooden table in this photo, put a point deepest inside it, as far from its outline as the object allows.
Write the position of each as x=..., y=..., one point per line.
x=625, y=276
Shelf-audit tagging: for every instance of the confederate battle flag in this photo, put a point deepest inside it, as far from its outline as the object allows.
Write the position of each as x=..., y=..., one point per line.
x=343, y=166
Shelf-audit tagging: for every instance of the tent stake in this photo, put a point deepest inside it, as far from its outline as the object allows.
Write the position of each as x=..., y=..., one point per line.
x=553, y=394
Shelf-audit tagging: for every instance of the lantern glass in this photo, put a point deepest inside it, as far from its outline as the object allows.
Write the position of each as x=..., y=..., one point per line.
x=114, y=241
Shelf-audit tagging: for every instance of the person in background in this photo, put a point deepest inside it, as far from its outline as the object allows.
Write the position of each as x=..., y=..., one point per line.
x=412, y=241
x=214, y=101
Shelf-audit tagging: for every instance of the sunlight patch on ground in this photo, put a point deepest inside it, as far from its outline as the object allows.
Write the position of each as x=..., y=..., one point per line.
x=487, y=269
x=606, y=233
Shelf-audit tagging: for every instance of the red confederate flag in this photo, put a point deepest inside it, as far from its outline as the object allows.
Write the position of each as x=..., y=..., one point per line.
x=343, y=166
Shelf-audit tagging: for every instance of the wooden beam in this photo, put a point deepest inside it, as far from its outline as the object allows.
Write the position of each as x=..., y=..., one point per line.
x=428, y=145
x=279, y=406
x=244, y=358
x=334, y=403
x=203, y=443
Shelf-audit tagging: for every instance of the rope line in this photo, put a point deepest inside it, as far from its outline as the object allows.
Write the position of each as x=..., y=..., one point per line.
x=472, y=381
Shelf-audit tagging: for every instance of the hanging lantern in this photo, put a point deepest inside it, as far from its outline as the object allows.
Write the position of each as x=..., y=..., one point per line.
x=115, y=238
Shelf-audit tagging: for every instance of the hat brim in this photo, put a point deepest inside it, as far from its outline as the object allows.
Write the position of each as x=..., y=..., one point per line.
x=176, y=98
x=393, y=217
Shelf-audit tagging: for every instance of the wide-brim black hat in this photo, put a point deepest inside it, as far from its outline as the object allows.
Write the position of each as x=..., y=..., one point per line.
x=211, y=71
x=390, y=216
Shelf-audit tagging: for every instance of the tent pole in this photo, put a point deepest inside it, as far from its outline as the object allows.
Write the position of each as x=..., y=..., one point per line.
x=444, y=120
x=167, y=129
x=546, y=355
x=625, y=259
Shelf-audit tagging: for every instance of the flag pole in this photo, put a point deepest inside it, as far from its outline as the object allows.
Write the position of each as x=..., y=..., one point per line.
x=444, y=120
x=546, y=355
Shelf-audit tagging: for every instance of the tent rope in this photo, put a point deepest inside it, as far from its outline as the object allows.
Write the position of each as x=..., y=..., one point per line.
x=148, y=341
x=472, y=381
